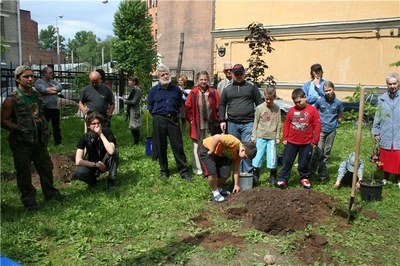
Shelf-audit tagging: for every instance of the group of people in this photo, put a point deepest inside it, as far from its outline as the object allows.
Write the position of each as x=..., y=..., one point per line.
x=248, y=129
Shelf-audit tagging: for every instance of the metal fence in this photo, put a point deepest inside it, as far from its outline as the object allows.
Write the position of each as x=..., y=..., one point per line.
x=75, y=79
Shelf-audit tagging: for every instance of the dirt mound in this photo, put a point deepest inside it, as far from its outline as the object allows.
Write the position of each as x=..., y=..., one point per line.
x=63, y=168
x=277, y=211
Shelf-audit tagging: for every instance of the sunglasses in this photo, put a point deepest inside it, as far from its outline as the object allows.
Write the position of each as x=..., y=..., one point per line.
x=95, y=123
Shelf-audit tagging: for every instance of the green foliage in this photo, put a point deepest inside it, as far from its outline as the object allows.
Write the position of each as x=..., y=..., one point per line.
x=369, y=109
x=3, y=48
x=86, y=48
x=260, y=44
x=48, y=39
x=396, y=64
x=134, y=47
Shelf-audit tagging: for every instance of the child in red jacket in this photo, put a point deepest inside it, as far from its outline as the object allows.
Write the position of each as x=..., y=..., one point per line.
x=300, y=135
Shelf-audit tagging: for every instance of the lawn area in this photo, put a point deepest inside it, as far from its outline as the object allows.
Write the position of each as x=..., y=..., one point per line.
x=146, y=221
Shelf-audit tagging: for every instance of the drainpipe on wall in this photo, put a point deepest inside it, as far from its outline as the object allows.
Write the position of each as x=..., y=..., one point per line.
x=19, y=34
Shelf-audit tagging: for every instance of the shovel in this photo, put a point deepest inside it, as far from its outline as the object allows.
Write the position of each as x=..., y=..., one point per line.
x=357, y=153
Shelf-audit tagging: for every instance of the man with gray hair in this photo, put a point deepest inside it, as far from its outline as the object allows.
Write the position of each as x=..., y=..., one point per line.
x=49, y=88
x=228, y=78
x=22, y=115
x=163, y=102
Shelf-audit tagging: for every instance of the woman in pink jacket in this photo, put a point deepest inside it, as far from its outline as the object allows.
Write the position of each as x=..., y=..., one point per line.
x=201, y=109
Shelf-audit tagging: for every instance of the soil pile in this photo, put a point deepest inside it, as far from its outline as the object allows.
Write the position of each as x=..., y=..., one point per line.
x=63, y=168
x=278, y=211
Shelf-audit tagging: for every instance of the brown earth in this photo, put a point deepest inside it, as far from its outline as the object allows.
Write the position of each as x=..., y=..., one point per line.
x=63, y=169
x=277, y=212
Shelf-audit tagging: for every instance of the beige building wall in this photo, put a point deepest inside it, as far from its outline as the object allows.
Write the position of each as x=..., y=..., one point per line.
x=349, y=57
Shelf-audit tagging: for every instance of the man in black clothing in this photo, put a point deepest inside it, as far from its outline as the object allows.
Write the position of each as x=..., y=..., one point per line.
x=101, y=153
x=163, y=102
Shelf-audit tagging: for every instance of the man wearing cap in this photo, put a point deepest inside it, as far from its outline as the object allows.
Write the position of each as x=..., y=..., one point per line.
x=237, y=106
x=22, y=114
x=228, y=78
x=314, y=89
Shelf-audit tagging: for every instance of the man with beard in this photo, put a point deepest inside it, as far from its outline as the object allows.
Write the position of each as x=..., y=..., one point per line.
x=22, y=114
x=97, y=97
x=163, y=102
x=331, y=113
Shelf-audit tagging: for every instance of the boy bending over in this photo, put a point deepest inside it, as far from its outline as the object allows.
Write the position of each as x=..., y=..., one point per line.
x=215, y=154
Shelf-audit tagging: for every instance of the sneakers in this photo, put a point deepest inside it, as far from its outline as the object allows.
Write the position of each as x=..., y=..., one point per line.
x=272, y=181
x=281, y=184
x=305, y=183
x=218, y=198
x=111, y=184
x=224, y=192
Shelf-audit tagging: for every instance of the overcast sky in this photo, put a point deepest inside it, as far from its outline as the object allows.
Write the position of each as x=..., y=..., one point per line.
x=78, y=15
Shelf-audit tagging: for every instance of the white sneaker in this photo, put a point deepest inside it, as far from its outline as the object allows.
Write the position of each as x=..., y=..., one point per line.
x=398, y=184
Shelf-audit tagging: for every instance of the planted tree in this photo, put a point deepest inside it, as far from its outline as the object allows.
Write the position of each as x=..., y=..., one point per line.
x=259, y=40
x=134, y=48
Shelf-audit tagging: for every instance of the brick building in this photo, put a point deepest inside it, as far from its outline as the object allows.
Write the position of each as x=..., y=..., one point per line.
x=24, y=47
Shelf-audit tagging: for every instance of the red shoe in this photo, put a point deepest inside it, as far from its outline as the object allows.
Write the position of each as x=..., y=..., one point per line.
x=305, y=183
x=281, y=184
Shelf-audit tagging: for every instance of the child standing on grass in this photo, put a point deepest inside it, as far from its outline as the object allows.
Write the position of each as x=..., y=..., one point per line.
x=266, y=131
x=215, y=154
x=331, y=113
x=301, y=132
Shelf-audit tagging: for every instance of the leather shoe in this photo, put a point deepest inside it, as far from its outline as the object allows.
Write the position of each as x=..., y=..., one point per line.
x=187, y=177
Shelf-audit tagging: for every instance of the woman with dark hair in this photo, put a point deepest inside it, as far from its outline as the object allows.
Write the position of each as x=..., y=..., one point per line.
x=133, y=103
x=182, y=82
x=314, y=89
x=202, y=105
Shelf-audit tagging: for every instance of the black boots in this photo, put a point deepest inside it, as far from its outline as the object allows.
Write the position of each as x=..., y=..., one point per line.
x=256, y=176
x=272, y=177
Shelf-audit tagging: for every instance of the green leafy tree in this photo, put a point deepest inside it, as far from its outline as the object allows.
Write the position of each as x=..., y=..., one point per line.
x=260, y=44
x=134, y=49
x=86, y=48
x=107, y=46
x=48, y=39
x=396, y=64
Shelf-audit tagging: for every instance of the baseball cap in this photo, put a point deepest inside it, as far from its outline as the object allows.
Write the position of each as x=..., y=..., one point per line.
x=315, y=67
x=21, y=69
x=238, y=68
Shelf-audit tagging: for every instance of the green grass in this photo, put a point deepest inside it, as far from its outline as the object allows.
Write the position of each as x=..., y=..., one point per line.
x=144, y=220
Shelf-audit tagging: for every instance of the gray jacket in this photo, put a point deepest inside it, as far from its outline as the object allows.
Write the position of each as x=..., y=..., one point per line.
x=49, y=100
x=387, y=121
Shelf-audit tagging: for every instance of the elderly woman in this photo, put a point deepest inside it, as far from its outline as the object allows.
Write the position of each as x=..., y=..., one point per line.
x=201, y=107
x=386, y=127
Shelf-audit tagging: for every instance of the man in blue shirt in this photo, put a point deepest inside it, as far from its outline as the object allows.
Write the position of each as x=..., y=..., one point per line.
x=163, y=102
x=331, y=113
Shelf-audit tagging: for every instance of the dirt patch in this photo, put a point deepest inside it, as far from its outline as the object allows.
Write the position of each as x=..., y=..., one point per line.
x=277, y=211
x=212, y=241
x=202, y=220
x=63, y=169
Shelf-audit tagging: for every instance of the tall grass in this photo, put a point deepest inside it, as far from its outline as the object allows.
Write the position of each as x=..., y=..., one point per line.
x=143, y=221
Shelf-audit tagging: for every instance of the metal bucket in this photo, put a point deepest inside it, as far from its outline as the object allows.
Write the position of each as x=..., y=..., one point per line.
x=245, y=181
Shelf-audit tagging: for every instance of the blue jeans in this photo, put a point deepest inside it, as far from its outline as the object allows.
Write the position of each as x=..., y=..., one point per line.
x=289, y=155
x=243, y=133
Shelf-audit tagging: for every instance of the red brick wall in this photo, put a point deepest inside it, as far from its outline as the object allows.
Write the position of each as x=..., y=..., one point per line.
x=31, y=54
x=193, y=18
